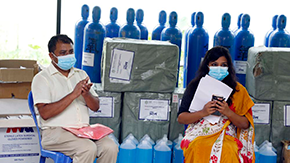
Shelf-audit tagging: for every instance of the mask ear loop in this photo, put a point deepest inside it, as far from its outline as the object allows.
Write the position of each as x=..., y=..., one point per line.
x=55, y=57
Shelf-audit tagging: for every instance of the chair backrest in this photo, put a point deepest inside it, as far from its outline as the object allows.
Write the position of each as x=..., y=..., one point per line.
x=31, y=108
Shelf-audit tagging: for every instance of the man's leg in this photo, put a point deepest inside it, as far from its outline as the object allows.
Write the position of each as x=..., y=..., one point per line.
x=80, y=149
x=107, y=150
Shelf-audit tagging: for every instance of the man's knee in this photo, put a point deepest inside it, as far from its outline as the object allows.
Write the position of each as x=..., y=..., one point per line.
x=109, y=146
x=89, y=148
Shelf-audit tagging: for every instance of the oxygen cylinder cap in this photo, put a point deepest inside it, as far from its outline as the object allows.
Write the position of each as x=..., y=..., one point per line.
x=130, y=16
x=173, y=19
x=193, y=19
x=199, y=19
x=113, y=14
x=139, y=16
x=96, y=14
x=245, y=21
x=226, y=20
x=281, y=23
x=85, y=12
x=162, y=17
x=274, y=21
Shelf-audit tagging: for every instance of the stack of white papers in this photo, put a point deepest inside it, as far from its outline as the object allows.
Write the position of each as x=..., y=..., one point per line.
x=207, y=87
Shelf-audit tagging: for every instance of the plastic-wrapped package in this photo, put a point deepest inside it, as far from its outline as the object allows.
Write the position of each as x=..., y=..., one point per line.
x=267, y=74
x=262, y=115
x=139, y=65
x=145, y=113
x=109, y=113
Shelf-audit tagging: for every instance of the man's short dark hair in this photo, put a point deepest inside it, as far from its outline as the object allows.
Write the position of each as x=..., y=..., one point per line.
x=60, y=37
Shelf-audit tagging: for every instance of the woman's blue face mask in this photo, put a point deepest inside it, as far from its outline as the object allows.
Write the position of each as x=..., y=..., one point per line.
x=218, y=72
x=65, y=62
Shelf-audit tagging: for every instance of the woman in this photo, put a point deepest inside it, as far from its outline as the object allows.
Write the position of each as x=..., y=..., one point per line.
x=231, y=139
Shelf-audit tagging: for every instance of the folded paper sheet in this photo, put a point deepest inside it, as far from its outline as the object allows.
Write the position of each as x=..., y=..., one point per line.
x=96, y=131
x=207, y=87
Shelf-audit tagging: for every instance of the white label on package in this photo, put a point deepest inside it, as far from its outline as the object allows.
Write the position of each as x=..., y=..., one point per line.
x=156, y=110
x=287, y=116
x=121, y=64
x=241, y=67
x=174, y=98
x=88, y=59
x=19, y=144
x=261, y=113
x=106, y=109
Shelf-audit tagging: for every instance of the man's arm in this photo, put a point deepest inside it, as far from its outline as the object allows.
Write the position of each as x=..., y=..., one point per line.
x=48, y=110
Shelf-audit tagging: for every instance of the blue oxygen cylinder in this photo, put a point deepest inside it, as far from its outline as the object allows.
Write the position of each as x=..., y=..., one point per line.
x=238, y=23
x=162, y=153
x=139, y=20
x=244, y=39
x=130, y=30
x=174, y=35
x=112, y=28
x=267, y=154
x=187, y=32
x=197, y=47
x=225, y=37
x=156, y=34
x=280, y=37
x=177, y=154
x=93, y=47
x=127, y=153
x=79, y=36
x=274, y=27
x=144, y=152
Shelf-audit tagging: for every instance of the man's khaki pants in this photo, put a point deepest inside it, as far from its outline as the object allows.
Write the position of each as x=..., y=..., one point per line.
x=81, y=150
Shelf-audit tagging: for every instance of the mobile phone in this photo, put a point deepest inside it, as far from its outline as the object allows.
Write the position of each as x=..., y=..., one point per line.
x=217, y=98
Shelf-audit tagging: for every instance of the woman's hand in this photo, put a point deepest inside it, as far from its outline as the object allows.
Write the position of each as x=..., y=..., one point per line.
x=208, y=108
x=223, y=107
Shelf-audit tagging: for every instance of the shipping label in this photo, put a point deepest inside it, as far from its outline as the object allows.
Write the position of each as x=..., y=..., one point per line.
x=88, y=59
x=121, y=64
x=153, y=109
x=261, y=113
x=241, y=67
x=106, y=109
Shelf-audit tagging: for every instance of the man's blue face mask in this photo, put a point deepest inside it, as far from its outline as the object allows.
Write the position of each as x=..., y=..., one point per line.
x=65, y=62
x=218, y=72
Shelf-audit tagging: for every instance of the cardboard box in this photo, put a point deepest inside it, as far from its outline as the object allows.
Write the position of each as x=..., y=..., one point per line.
x=18, y=140
x=286, y=151
x=16, y=77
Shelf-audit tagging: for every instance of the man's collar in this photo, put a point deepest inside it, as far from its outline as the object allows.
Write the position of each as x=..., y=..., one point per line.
x=52, y=70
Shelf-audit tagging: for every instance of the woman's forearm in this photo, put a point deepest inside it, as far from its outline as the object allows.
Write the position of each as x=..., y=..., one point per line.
x=188, y=118
x=239, y=121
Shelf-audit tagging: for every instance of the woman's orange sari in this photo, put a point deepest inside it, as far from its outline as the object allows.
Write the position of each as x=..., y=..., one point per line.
x=222, y=142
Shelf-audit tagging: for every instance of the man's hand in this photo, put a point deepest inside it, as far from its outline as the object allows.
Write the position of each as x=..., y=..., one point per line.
x=82, y=88
x=86, y=87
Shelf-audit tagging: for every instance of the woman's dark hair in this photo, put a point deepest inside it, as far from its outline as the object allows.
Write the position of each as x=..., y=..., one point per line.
x=58, y=38
x=212, y=55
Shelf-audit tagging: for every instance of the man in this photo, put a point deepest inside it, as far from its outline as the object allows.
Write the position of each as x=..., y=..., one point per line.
x=62, y=95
